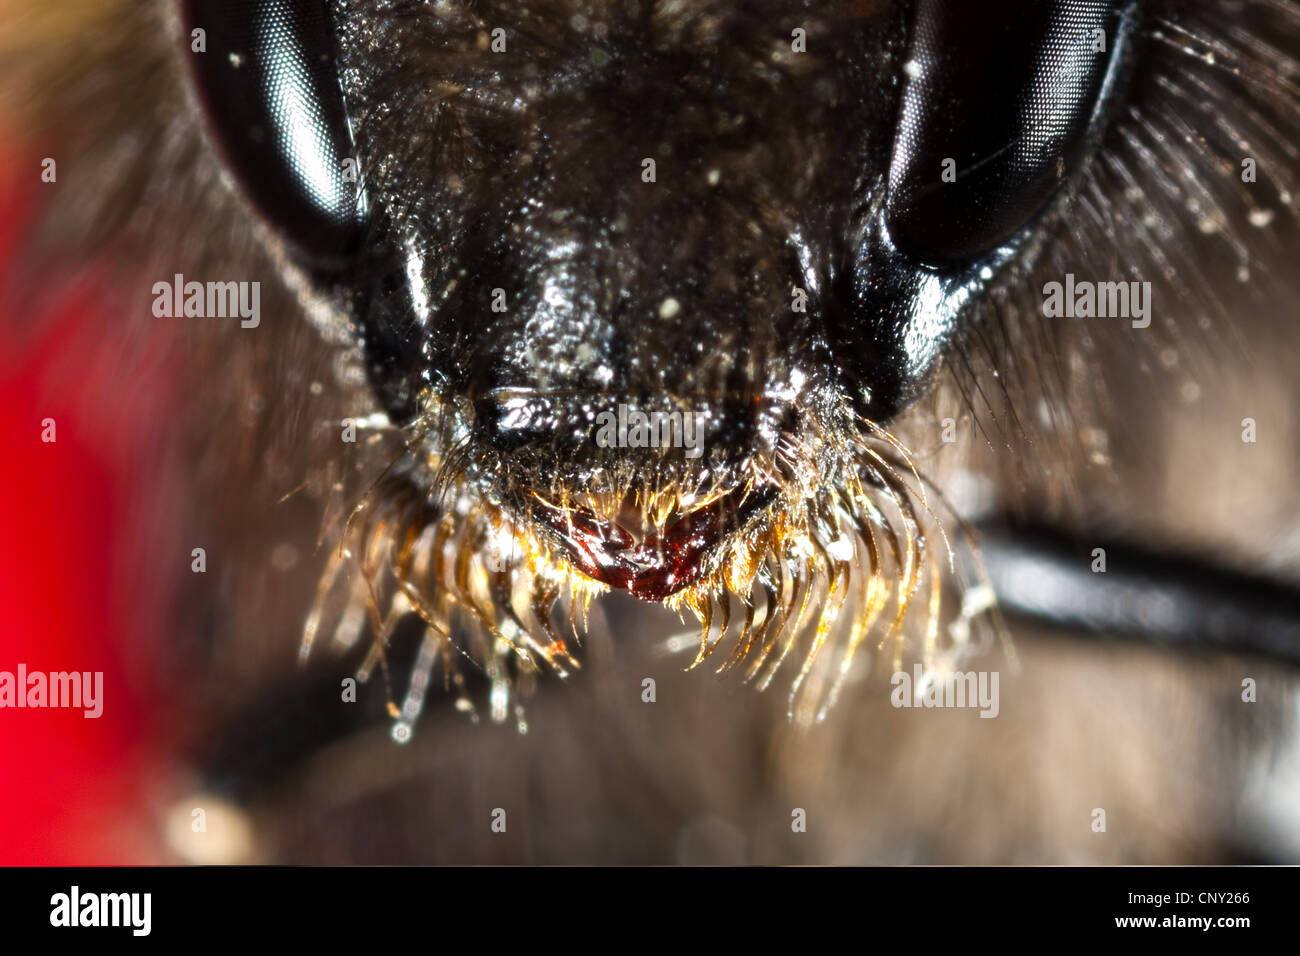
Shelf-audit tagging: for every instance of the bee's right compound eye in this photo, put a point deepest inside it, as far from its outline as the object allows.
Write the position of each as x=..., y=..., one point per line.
x=999, y=101
x=267, y=75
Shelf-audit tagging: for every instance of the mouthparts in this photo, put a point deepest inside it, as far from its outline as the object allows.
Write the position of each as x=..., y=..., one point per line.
x=663, y=561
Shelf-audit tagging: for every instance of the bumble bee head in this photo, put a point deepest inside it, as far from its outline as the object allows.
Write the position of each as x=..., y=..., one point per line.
x=644, y=284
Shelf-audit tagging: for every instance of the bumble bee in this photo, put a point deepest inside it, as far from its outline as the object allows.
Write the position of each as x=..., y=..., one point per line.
x=897, y=269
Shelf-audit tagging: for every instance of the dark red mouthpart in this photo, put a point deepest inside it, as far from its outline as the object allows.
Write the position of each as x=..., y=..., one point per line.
x=662, y=563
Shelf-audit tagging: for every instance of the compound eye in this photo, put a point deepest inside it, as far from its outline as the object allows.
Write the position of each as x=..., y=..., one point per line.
x=999, y=100
x=268, y=80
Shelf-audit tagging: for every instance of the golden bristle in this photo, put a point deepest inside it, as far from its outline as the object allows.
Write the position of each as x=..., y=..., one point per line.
x=841, y=556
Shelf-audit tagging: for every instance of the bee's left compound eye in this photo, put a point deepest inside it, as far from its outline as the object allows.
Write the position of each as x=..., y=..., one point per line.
x=999, y=100
x=267, y=75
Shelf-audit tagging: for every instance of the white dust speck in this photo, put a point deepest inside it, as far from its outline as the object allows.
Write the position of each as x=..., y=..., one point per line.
x=1259, y=218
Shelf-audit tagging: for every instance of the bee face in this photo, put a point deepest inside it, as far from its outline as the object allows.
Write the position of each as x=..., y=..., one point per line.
x=843, y=198
x=772, y=222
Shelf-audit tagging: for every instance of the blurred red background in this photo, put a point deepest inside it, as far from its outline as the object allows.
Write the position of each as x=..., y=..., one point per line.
x=79, y=588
